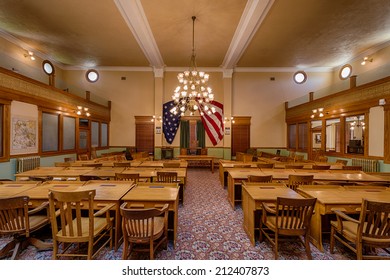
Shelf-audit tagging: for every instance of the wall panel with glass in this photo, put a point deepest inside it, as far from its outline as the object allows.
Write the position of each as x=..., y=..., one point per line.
x=333, y=133
x=354, y=134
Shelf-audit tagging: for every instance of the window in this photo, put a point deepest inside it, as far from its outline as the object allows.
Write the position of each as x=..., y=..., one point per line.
x=345, y=72
x=48, y=67
x=92, y=76
x=302, y=136
x=50, y=127
x=104, y=135
x=1, y=130
x=292, y=136
x=354, y=134
x=94, y=134
x=69, y=133
x=300, y=77
x=333, y=134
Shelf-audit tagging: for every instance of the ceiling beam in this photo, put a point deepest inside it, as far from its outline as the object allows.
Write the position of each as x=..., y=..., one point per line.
x=254, y=13
x=135, y=17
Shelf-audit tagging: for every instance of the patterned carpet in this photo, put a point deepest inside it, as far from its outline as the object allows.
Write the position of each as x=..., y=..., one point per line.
x=209, y=229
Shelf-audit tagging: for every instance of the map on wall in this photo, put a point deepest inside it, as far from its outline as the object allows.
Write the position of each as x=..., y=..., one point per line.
x=24, y=135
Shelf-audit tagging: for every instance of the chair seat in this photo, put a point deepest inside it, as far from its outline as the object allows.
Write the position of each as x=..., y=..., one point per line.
x=271, y=224
x=100, y=224
x=38, y=221
x=350, y=230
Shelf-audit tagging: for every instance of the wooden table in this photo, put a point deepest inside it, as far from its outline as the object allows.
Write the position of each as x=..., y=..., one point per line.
x=104, y=172
x=207, y=158
x=252, y=197
x=235, y=178
x=14, y=188
x=106, y=192
x=340, y=198
x=160, y=163
x=226, y=165
x=155, y=195
x=38, y=172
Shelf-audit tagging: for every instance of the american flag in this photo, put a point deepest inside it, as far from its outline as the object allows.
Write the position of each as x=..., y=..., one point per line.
x=213, y=123
x=171, y=122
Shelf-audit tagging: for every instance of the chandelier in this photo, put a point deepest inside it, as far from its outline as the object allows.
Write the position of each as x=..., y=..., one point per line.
x=192, y=93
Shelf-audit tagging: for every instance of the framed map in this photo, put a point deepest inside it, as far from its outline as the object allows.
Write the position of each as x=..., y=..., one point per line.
x=24, y=135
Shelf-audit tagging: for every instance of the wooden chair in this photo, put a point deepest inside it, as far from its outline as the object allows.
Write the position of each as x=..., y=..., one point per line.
x=297, y=180
x=74, y=227
x=353, y=167
x=342, y=161
x=18, y=221
x=183, y=151
x=321, y=167
x=83, y=157
x=127, y=177
x=265, y=165
x=172, y=164
x=167, y=177
x=122, y=164
x=289, y=217
x=203, y=151
x=372, y=230
x=144, y=230
x=260, y=179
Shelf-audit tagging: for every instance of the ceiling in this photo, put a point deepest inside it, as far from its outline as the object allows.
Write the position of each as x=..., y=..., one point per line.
x=228, y=33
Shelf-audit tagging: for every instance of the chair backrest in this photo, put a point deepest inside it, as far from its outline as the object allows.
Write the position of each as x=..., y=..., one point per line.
x=14, y=215
x=83, y=157
x=203, y=151
x=127, y=177
x=262, y=179
x=265, y=165
x=321, y=167
x=342, y=161
x=70, y=206
x=183, y=151
x=294, y=214
x=296, y=180
x=138, y=224
x=171, y=164
x=374, y=222
x=352, y=167
x=122, y=164
x=168, y=177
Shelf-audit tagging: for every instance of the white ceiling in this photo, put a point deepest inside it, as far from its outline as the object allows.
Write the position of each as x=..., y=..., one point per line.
x=228, y=33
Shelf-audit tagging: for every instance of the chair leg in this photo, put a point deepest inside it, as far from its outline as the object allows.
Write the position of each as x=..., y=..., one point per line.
x=276, y=246
x=332, y=240
x=307, y=246
x=125, y=250
x=90, y=249
x=359, y=251
x=151, y=248
x=55, y=249
x=7, y=249
x=16, y=250
x=39, y=244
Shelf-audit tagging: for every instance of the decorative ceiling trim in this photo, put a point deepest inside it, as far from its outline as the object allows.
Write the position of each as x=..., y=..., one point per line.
x=254, y=13
x=134, y=15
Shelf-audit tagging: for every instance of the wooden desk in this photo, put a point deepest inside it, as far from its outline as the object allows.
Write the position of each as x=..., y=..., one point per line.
x=106, y=193
x=144, y=173
x=12, y=188
x=340, y=198
x=226, y=165
x=252, y=197
x=104, y=172
x=199, y=158
x=38, y=172
x=160, y=163
x=155, y=195
x=235, y=178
